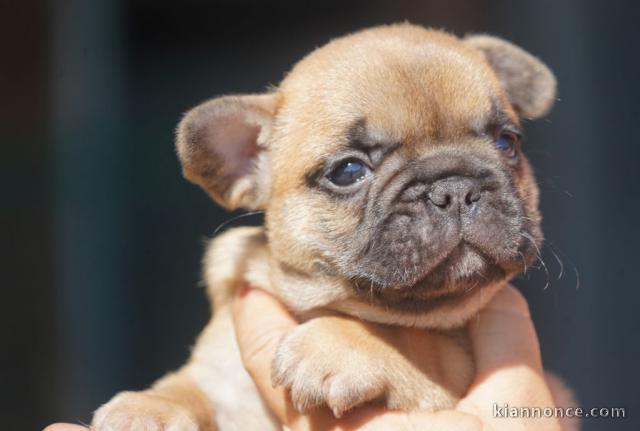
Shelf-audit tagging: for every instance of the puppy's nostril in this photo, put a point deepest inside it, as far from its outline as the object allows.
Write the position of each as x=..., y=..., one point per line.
x=454, y=192
x=472, y=197
x=441, y=200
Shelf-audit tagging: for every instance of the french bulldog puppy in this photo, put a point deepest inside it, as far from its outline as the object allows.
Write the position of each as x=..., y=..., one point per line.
x=397, y=202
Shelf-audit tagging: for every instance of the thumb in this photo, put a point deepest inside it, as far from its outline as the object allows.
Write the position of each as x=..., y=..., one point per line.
x=260, y=322
x=504, y=334
x=509, y=367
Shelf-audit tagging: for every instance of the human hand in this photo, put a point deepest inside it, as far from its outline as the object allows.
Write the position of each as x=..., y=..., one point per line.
x=504, y=344
x=505, y=348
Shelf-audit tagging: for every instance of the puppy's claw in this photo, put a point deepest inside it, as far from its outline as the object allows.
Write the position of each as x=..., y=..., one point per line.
x=337, y=412
x=344, y=392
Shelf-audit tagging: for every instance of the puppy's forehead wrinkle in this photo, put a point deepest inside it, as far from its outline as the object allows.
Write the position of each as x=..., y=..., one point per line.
x=376, y=143
x=361, y=135
x=407, y=85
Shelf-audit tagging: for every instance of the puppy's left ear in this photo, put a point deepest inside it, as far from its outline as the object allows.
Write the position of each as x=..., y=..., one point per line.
x=529, y=84
x=221, y=147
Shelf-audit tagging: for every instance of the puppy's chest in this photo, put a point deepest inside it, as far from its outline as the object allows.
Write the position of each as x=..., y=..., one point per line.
x=458, y=336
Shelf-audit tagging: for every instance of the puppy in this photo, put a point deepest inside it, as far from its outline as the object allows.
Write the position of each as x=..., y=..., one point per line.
x=396, y=199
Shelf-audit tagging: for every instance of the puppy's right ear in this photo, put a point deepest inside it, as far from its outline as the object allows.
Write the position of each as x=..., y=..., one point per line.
x=220, y=144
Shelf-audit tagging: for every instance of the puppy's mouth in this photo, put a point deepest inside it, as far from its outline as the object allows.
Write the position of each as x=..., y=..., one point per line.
x=464, y=270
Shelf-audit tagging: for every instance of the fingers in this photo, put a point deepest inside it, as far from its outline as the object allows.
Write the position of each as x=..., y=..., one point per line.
x=504, y=343
x=65, y=427
x=507, y=353
x=260, y=322
x=503, y=334
x=445, y=420
x=375, y=418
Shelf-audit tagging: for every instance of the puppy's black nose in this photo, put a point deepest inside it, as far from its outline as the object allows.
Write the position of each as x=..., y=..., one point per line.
x=454, y=192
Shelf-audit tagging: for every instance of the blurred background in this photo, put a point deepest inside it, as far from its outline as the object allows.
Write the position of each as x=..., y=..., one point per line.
x=102, y=238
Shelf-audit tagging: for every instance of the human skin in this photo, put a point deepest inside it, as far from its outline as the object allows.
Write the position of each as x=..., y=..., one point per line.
x=504, y=344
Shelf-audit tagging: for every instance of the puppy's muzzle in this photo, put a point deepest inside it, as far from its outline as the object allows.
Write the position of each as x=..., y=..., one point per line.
x=446, y=220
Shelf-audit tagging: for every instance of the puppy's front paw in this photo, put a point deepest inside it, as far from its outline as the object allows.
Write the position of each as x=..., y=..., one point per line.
x=320, y=364
x=142, y=411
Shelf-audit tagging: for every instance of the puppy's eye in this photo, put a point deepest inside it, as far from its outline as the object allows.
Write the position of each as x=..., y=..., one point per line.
x=348, y=172
x=508, y=143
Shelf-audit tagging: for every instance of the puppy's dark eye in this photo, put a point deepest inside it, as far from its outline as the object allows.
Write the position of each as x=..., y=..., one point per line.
x=348, y=172
x=508, y=143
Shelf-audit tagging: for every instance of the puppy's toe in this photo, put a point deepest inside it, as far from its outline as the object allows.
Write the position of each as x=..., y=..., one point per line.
x=139, y=411
x=305, y=387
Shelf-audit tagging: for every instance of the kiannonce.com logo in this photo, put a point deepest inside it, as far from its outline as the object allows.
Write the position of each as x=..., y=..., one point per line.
x=507, y=411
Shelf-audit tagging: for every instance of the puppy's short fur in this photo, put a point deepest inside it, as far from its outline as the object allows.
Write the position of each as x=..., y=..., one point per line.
x=396, y=199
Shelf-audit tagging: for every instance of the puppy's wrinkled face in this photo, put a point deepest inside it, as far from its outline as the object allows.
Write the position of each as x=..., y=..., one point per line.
x=390, y=160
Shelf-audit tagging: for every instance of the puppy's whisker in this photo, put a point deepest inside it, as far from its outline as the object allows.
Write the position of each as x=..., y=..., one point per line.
x=549, y=184
x=472, y=287
x=539, y=257
x=575, y=270
x=232, y=219
x=555, y=249
x=555, y=255
x=524, y=262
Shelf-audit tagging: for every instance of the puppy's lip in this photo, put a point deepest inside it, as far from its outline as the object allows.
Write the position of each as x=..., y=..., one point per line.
x=439, y=287
x=446, y=263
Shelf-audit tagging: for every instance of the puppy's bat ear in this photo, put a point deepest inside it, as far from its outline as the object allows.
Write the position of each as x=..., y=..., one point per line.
x=529, y=84
x=220, y=144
